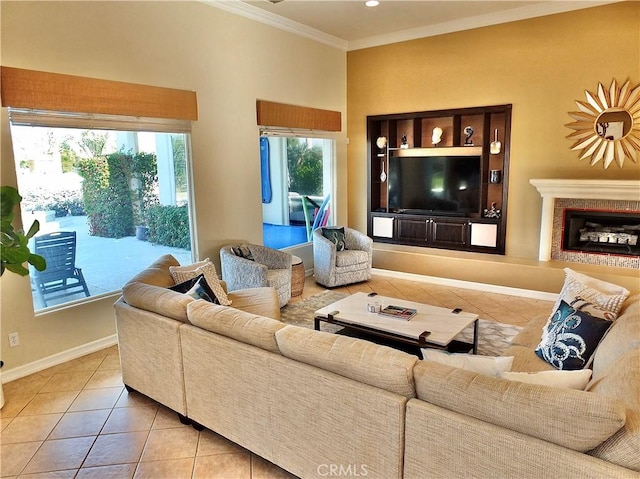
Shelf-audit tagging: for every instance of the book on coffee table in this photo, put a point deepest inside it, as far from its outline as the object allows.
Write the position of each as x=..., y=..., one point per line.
x=398, y=312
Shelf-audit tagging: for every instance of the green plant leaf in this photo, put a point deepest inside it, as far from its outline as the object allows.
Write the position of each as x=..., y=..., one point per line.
x=37, y=261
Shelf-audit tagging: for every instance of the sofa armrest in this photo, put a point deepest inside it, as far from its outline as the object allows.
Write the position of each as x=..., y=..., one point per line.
x=574, y=419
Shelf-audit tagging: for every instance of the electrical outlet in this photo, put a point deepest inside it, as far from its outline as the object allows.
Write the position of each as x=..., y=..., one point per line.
x=14, y=340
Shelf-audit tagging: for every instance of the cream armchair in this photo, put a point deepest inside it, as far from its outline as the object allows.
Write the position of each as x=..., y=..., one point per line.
x=256, y=266
x=351, y=265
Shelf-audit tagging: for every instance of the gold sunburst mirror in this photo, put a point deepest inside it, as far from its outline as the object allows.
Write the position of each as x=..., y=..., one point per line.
x=607, y=127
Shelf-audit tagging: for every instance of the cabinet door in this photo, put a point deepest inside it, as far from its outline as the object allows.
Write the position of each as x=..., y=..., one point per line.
x=451, y=233
x=412, y=230
x=382, y=227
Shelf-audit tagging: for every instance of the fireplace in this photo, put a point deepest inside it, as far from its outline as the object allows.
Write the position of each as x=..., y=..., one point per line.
x=590, y=221
x=603, y=232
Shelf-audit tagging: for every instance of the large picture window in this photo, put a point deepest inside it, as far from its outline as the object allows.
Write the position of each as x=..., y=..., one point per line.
x=109, y=202
x=297, y=180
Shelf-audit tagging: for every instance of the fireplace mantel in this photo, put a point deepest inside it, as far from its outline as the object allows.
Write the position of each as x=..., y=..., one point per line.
x=550, y=189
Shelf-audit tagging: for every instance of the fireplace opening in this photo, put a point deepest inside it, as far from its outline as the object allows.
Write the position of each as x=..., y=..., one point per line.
x=604, y=232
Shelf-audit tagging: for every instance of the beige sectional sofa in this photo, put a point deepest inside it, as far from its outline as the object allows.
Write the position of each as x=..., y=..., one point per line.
x=325, y=405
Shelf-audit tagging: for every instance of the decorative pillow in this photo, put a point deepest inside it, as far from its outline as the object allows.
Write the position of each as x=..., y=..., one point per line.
x=487, y=365
x=336, y=236
x=577, y=379
x=197, y=288
x=243, y=251
x=206, y=267
x=595, y=294
x=570, y=337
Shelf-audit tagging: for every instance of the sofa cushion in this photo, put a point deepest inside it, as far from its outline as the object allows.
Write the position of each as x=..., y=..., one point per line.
x=248, y=328
x=577, y=379
x=573, y=419
x=622, y=337
x=621, y=379
x=156, y=299
x=157, y=273
x=570, y=337
x=353, y=358
x=261, y=301
x=208, y=269
x=488, y=365
x=525, y=359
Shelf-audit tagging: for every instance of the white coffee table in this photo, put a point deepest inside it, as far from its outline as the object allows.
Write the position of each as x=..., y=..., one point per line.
x=431, y=327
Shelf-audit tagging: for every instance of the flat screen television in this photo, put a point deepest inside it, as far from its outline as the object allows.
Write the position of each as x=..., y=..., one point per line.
x=441, y=185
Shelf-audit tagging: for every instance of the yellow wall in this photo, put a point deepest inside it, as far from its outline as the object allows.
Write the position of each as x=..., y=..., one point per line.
x=228, y=60
x=541, y=66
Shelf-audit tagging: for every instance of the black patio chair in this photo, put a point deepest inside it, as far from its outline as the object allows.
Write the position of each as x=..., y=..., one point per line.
x=61, y=277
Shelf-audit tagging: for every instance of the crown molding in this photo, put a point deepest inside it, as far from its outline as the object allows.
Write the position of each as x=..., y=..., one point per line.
x=259, y=15
x=522, y=13
x=538, y=10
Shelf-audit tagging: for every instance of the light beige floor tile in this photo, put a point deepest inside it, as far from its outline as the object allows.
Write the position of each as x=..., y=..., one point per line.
x=121, y=448
x=172, y=443
x=263, y=469
x=223, y=466
x=28, y=385
x=30, y=428
x=13, y=457
x=66, y=474
x=66, y=382
x=134, y=399
x=117, y=471
x=14, y=403
x=111, y=362
x=167, y=419
x=170, y=469
x=129, y=419
x=105, y=379
x=60, y=454
x=46, y=403
x=82, y=423
x=211, y=443
x=96, y=399
x=85, y=363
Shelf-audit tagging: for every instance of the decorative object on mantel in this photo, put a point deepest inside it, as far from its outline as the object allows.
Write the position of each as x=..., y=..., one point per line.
x=404, y=144
x=607, y=127
x=469, y=131
x=495, y=146
x=381, y=142
x=436, y=136
x=492, y=212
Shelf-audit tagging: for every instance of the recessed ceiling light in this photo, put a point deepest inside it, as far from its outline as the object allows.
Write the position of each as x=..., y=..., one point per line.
x=372, y=3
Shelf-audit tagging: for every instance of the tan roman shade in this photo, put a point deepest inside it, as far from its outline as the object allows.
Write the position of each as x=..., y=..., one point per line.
x=291, y=116
x=29, y=89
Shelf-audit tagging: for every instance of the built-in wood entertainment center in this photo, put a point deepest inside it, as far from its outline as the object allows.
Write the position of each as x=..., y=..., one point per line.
x=440, y=178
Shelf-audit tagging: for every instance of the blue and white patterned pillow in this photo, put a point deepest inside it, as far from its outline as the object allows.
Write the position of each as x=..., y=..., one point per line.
x=571, y=337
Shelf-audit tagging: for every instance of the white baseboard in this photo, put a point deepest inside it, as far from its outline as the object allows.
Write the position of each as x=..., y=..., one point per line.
x=58, y=358
x=457, y=283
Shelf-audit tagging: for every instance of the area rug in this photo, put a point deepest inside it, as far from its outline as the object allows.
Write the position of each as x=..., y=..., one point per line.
x=493, y=337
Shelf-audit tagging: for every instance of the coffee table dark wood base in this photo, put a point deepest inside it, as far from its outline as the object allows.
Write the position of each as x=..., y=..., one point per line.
x=403, y=343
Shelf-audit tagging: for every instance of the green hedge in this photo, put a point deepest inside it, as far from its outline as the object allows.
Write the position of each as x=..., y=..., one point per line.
x=169, y=226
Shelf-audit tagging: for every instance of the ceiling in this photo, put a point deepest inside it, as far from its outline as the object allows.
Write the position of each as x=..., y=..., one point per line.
x=349, y=25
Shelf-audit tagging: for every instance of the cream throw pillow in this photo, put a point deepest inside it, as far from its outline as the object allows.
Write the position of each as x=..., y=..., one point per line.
x=181, y=274
x=577, y=379
x=487, y=365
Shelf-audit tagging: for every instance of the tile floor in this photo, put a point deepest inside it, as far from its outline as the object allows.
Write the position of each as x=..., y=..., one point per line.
x=77, y=419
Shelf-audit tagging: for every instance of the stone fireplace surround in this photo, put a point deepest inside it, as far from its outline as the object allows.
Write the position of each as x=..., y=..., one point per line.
x=560, y=194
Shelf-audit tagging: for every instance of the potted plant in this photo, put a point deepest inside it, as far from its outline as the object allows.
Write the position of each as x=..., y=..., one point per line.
x=15, y=244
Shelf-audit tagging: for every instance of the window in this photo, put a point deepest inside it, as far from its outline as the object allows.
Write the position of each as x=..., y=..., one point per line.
x=122, y=195
x=297, y=180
